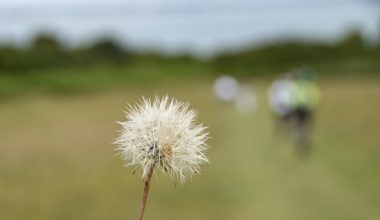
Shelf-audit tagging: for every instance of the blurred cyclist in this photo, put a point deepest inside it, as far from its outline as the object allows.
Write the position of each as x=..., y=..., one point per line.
x=305, y=97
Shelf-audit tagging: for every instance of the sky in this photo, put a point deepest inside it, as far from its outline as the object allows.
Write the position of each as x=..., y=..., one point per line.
x=203, y=27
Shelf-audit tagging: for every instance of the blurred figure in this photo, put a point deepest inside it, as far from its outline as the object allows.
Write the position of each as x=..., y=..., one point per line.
x=304, y=100
x=280, y=100
x=246, y=100
x=293, y=99
x=226, y=88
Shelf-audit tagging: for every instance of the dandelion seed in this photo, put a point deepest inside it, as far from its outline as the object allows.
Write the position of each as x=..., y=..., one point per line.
x=162, y=134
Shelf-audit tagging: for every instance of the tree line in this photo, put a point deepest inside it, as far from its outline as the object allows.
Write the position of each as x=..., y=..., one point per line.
x=350, y=54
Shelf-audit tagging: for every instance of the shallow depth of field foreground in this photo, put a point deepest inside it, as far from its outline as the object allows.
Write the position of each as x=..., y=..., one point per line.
x=56, y=159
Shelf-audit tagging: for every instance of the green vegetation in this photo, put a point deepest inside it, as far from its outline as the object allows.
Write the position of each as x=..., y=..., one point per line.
x=56, y=160
x=351, y=56
x=47, y=65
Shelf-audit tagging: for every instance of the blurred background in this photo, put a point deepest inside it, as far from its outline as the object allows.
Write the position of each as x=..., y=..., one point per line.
x=69, y=68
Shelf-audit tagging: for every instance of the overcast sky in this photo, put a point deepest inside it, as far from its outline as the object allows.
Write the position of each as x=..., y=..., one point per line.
x=201, y=26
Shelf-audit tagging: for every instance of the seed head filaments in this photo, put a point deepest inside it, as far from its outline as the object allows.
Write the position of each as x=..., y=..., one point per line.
x=162, y=134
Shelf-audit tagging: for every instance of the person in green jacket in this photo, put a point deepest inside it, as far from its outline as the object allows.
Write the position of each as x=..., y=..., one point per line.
x=305, y=98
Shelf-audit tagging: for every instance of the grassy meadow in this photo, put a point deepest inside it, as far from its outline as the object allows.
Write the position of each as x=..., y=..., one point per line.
x=57, y=158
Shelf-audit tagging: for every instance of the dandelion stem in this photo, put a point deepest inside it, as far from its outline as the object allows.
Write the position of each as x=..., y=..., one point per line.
x=145, y=195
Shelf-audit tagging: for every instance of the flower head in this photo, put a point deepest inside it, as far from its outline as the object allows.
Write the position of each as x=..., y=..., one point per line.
x=163, y=134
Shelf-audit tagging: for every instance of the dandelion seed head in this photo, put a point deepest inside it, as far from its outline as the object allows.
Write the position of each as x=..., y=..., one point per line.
x=163, y=134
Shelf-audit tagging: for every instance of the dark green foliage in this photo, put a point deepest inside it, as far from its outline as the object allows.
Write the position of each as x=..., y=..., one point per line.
x=46, y=52
x=351, y=55
x=46, y=64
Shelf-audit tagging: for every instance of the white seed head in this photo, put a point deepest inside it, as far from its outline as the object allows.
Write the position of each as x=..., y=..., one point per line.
x=163, y=134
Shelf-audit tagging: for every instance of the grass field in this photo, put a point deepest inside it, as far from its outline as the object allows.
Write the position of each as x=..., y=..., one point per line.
x=56, y=159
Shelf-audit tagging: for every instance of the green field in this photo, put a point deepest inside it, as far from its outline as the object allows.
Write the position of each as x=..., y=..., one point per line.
x=57, y=159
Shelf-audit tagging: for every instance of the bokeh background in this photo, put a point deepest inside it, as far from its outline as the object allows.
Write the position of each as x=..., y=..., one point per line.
x=69, y=68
